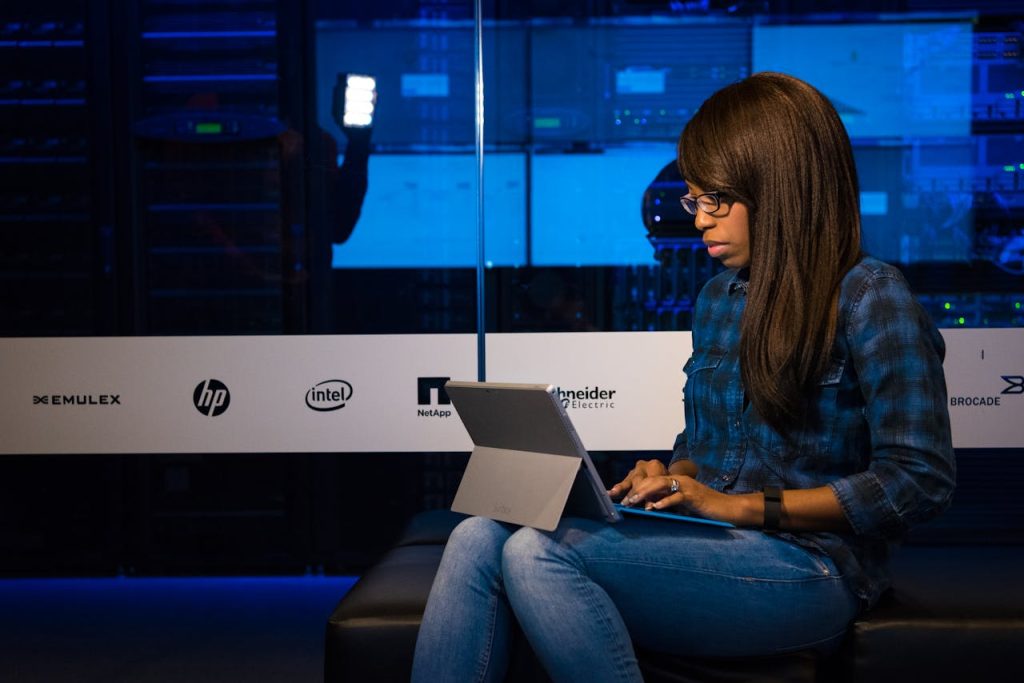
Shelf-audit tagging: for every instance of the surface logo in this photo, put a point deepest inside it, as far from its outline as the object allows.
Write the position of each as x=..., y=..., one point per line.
x=77, y=400
x=587, y=398
x=430, y=392
x=211, y=397
x=331, y=394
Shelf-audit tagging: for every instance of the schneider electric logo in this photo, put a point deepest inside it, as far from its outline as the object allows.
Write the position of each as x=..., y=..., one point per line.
x=430, y=392
x=77, y=400
x=587, y=398
x=211, y=397
x=331, y=394
x=1014, y=384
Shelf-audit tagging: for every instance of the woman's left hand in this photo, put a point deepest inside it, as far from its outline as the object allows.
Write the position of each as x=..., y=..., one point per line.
x=656, y=493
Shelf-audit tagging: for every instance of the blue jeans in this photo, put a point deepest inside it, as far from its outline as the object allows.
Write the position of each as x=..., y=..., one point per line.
x=586, y=592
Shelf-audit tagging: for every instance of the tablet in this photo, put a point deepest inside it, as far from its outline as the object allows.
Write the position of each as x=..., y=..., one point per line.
x=528, y=464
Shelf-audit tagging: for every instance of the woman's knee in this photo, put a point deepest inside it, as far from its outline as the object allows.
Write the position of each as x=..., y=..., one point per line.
x=528, y=552
x=478, y=535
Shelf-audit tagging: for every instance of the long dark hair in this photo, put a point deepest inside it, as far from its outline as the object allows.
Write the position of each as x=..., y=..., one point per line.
x=775, y=144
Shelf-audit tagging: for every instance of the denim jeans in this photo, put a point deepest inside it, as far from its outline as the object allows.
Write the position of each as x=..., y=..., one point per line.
x=586, y=592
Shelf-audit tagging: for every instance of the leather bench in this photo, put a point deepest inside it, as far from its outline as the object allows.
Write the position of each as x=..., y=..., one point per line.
x=956, y=614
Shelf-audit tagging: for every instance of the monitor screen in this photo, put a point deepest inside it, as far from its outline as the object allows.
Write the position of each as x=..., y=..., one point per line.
x=886, y=80
x=421, y=212
x=585, y=209
x=425, y=80
x=616, y=82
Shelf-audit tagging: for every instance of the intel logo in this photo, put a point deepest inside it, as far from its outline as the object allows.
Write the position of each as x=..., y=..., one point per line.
x=331, y=394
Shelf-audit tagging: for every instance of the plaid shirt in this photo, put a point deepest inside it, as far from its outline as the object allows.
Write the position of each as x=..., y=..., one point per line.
x=882, y=443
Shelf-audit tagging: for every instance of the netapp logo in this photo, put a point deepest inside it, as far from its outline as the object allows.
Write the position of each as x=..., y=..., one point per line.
x=77, y=400
x=211, y=397
x=1014, y=385
x=430, y=391
x=331, y=394
x=587, y=398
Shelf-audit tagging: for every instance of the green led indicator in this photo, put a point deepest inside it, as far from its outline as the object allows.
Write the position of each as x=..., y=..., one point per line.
x=1020, y=166
x=947, y=305
x=960, y=320
x=1009, y=95
x=1009, y=169
x=1017, y=305
x=209, y=128
x=547, y=122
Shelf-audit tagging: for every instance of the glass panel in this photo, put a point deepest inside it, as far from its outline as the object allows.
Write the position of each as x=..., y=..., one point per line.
x=932, y=104
x=209, y=151
x=409, y=262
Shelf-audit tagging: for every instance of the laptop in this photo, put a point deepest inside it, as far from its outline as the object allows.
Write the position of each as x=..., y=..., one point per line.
x=528, y=465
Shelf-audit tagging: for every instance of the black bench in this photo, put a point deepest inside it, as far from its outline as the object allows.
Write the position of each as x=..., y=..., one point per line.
x=956, y=614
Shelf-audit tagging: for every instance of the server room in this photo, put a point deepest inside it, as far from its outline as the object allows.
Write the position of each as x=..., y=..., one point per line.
x=245, y=243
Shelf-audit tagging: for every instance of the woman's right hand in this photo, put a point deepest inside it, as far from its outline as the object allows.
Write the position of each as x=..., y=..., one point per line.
x=642, y=470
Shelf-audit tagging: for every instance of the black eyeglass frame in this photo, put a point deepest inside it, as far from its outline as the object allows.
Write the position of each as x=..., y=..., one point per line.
x=691, y=204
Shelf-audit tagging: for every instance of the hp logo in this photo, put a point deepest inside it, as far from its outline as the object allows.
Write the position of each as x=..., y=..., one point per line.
x=211, y=397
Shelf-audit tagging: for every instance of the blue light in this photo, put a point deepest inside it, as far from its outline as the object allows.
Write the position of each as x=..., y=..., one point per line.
x=224, y=206
x=175, y=35
x=187, y=78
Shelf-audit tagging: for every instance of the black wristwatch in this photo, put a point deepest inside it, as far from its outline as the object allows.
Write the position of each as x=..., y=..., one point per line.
x=772, y=508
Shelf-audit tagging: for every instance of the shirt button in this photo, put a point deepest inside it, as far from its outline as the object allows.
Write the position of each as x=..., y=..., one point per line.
x=725, y=477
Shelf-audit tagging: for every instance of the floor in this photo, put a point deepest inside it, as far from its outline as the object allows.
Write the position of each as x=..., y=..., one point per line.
x=159, y=630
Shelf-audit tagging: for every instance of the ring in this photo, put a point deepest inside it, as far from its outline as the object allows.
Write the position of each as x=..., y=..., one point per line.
x=675, y=487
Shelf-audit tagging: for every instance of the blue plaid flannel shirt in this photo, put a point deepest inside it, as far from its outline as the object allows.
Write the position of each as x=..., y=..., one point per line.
x=882, y=442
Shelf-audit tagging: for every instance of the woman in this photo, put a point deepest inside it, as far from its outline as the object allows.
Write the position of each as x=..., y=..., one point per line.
x=816, y=380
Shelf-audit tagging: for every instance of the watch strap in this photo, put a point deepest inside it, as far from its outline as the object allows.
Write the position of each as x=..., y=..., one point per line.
x=772, y=508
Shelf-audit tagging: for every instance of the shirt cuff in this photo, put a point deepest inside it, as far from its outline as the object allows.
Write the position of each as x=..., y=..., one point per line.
x=866, y=506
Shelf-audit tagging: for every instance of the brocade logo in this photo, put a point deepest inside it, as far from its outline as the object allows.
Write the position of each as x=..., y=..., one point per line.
x=1015, y=382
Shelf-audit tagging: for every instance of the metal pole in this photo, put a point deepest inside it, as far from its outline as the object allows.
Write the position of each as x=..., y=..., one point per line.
x=478, y=65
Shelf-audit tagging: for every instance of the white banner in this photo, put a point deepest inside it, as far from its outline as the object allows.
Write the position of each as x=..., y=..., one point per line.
x=623, y=390
x=245, y=394
x=287, y=394
x=985, y=382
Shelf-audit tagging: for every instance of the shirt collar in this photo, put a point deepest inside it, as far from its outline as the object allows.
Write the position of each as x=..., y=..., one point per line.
x=740, y=280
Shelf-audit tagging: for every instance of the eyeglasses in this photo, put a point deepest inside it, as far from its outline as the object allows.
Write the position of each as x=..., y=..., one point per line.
x=709, y=203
